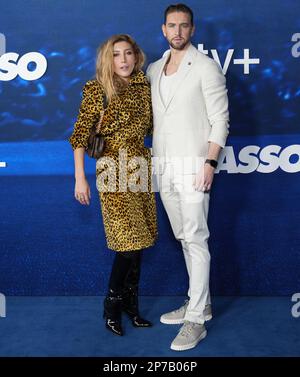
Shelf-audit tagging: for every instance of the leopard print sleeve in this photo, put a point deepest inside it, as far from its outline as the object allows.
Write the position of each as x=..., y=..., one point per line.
x=89, y=114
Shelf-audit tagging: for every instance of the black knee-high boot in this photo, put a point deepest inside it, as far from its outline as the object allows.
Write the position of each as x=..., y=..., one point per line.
x=113, y=301
x=130, y=303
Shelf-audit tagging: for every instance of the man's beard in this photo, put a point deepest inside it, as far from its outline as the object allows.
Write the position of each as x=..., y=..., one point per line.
x=179, y=47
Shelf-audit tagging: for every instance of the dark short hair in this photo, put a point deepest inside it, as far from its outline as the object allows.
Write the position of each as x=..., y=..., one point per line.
x=179, y=8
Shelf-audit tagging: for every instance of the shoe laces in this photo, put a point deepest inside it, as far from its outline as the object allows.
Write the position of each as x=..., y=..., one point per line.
x=186, y=302
x=186, y=329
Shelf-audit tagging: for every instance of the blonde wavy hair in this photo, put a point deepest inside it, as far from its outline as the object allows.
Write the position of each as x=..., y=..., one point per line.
x=105, y=75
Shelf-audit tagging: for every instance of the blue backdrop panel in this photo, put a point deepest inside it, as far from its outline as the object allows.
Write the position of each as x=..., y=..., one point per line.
x=50, y=245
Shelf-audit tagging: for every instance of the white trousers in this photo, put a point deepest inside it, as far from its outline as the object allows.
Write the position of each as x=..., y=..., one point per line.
x=187, y=210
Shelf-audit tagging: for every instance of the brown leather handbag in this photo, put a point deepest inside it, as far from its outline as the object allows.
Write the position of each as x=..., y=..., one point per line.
x=96, y=144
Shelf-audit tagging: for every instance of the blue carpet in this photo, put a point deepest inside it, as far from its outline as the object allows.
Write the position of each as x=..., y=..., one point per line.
x=73, y=326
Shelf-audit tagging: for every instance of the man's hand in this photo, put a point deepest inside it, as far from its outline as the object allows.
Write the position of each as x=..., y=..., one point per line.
x=204, y=178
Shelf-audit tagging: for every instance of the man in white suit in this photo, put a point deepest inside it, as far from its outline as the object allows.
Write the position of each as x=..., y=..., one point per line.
x=190, y=114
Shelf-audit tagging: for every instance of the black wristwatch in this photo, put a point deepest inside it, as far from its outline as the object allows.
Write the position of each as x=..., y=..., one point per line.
x=213, y=163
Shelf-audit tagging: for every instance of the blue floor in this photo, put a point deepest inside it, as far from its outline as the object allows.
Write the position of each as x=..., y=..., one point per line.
x=73, y=326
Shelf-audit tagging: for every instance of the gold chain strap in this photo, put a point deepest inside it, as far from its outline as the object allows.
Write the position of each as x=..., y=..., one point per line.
x=100, y=121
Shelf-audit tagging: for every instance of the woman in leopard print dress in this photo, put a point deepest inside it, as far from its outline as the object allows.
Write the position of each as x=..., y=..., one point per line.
x=128, y=207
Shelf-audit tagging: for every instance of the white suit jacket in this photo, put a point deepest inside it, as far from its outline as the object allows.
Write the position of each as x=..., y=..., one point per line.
x=196, y=111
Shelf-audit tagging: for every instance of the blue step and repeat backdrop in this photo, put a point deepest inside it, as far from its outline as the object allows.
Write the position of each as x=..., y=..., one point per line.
x=50, y=245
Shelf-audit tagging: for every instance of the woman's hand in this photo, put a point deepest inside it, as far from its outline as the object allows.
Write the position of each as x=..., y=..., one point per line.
x=82, y=191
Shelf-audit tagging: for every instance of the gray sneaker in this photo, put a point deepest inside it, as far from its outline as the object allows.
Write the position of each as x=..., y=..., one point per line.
x=176, y=317
x=189, y=336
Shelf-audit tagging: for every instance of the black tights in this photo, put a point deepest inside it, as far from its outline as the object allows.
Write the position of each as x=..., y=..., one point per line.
x=125, y=269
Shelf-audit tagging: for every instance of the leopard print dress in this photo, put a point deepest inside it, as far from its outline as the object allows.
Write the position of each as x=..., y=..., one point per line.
x=129, y=214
